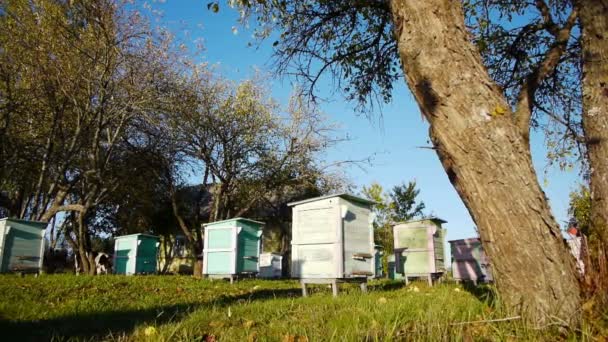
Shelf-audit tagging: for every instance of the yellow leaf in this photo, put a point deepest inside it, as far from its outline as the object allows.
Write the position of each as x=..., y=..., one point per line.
x=248, y=324
x=149, y=331
x=498, y=111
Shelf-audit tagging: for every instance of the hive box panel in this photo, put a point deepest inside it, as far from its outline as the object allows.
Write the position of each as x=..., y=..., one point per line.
x=358, y=239
x=316, y=222
x=21, y=245
x=315, y=261
x=469, y=261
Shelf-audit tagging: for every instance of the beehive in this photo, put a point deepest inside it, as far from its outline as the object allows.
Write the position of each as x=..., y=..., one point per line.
x=392, y=267
x=378, y=254
x=419, y=248
x=135, y=254
x=21, y=245
x=232, y=247
x=270, y=265
x=469, y=261
x=332, y=238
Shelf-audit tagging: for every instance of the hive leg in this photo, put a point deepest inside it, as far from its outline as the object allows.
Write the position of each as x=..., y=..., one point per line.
x=304, y=292
x=430, y=279
x=334, y=288
x=363, y=287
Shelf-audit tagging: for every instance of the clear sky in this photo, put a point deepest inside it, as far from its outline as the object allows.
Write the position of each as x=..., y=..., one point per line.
x=394, y=138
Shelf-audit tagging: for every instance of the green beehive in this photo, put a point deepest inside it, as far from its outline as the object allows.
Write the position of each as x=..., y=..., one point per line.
x=232, y=247
x=390, y=260
x=21, y=245
x=135, y=254
x=378, y=254
x=419, y=248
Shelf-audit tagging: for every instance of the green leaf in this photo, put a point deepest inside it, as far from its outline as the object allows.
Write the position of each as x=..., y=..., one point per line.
x=213, y=6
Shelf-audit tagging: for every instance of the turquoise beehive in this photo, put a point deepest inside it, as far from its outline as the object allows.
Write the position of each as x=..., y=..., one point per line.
x=135, y=254
x=21, y=245
x=232, y=247
x=378, y=254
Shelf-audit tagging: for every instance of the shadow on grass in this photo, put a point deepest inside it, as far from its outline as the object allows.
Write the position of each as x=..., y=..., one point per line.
x=93, y=326
x=484, y=292
x=387, y=286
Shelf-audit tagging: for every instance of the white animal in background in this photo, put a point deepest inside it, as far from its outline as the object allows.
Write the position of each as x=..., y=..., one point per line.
x=103, y=263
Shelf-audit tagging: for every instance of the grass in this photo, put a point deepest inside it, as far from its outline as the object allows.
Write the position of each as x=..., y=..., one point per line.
x=169, y=308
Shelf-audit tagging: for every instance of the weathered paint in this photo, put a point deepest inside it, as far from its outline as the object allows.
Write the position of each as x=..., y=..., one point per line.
x=332, y=238
x=419, y=247
x=136, y=254
x=21, y=245
x=232, y=247
x=469, y=261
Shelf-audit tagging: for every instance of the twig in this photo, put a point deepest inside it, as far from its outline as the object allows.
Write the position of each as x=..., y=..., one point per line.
x=489, y=320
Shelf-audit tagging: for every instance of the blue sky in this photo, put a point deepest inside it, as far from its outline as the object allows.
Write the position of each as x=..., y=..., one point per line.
x=394, y=138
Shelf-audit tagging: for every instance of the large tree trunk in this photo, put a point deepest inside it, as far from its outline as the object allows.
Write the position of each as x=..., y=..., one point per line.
x=487, y=159
x=593, y=16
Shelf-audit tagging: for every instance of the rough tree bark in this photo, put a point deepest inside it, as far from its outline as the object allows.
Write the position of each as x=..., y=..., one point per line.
x=487, y=159
x=594, y=27
x=594, y=22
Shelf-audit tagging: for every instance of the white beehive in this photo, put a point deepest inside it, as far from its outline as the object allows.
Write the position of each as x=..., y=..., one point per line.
x=332, y=238
x=270, y=265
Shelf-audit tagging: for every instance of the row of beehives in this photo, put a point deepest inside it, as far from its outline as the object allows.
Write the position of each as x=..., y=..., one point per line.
x=332, y=238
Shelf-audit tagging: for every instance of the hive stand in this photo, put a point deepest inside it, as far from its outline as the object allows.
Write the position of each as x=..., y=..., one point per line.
x=231, y=277
x=334, y=284
x=428, y=276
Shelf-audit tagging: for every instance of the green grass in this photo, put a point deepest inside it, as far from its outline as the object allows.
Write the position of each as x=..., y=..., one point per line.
x=168, y=308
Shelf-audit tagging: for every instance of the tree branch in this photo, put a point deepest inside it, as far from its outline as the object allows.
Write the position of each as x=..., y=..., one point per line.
x=55, y=209
x=525, y=99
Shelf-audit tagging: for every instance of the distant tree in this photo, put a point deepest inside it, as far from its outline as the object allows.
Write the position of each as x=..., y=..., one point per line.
x=251, y=151
x=579, y=208
x=76, y=78
x=405, y=205
x=400, y=204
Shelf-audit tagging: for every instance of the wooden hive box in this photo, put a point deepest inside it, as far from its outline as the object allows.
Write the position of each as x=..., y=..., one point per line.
x=332, y=239
x=271, y=265
x=135, y=254
x=469, y=261
x=21, y=245
x=419, y=248
x=232, y=248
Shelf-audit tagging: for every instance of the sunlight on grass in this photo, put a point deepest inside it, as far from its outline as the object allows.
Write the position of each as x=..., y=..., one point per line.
x=168, y=308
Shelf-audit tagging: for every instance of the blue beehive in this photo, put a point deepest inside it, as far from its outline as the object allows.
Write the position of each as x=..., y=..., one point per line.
x=135, y=254
x=232, y=247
